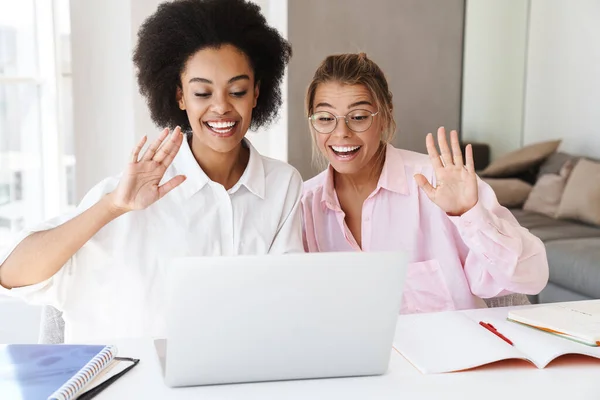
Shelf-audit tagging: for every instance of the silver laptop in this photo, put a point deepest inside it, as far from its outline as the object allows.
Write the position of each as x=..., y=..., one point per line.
x=280, y=317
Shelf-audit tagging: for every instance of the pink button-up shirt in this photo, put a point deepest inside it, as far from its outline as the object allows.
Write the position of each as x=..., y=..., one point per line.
x=454, y=261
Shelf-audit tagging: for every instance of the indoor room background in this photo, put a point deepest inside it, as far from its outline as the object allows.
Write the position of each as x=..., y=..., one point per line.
x=505, y=73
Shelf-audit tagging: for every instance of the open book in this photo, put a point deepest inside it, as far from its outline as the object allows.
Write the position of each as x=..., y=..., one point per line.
x=578, y=321
x=58, y=372
x=455, y=341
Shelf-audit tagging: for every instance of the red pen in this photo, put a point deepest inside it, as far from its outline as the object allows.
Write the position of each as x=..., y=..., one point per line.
x=491, y=328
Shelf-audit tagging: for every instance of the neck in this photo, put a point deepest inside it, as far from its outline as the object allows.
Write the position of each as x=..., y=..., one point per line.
x=224, y=168
x=365, y=180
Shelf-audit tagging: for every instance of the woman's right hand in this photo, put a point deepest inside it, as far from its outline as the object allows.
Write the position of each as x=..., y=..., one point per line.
x=139, y=184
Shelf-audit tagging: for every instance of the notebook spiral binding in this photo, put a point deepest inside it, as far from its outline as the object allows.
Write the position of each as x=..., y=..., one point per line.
x=85, y=375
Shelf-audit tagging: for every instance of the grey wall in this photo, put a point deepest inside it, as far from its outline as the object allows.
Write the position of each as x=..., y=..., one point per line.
x=418, y=44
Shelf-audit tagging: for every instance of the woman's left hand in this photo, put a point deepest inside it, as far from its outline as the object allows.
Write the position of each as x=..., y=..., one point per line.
x=456, y=186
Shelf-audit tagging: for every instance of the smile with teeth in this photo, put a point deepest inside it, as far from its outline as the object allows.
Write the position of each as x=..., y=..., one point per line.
x=345, y=151
x=221, y=127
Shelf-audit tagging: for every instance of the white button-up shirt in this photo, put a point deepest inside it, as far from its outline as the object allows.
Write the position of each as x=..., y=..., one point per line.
x=113, y=286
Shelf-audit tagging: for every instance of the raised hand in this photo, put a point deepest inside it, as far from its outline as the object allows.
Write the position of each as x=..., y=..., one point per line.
x=456, y=186
x=139, y=185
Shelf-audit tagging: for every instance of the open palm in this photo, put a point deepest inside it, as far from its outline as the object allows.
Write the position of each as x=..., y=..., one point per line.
x=456, y=182
x=139, y=184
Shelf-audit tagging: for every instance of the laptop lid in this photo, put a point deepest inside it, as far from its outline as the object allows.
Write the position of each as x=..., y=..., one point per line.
x=276, y=317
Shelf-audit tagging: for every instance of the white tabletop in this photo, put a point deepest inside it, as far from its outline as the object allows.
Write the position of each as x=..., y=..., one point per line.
x=571, y=377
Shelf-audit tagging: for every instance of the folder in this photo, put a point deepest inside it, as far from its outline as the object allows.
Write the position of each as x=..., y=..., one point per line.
x=59, y=372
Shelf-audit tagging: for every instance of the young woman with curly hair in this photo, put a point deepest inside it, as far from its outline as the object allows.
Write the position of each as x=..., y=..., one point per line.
x=211, y=70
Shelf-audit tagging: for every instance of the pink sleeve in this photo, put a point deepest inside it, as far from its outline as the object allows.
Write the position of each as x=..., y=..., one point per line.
x=503, y=256
x=308, y=223
x=304, y=238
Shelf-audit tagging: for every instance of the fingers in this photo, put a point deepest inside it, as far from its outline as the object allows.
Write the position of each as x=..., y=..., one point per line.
x=136, y=151
x=469, y=157
x=456, y=152
x=425, y=185
x=170, y=185
x=444, y=149
x=151, y=151
x=432, y=151
x=169, y=149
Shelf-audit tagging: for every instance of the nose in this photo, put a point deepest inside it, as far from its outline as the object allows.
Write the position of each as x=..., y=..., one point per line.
x=341, y=130
x=220, y=104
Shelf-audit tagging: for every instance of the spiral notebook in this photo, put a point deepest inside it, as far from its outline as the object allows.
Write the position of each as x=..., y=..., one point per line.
x=59, y=372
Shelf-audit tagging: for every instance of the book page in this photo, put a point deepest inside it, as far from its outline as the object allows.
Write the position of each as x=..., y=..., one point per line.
x=448, y=341
x=580, y=319
x=538, y=346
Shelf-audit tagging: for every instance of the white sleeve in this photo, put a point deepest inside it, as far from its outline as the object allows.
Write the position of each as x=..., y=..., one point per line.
x=288, y=238
x=53, y=291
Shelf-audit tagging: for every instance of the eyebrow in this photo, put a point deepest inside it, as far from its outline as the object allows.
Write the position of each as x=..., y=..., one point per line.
x=358, y=103
x=234, y=79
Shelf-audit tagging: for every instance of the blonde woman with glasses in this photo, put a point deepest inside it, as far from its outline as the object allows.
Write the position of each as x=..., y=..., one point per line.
x=462, y=245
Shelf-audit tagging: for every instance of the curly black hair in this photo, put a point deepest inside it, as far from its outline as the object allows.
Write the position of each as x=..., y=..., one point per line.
x=178, y=29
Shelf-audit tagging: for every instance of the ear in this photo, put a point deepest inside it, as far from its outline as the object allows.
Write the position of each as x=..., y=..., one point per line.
x=256, y=91
x=180, y=99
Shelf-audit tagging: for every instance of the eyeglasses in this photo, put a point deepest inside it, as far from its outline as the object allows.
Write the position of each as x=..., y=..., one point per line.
x=356, y=120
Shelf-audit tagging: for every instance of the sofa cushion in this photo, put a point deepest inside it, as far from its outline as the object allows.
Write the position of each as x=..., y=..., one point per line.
x=548, y=229
x=575, y=265
x=581, y=198
x=554, y=293
x=546, y=194
x=555, y=162
x=509, y=192
x=566, y=231
x=520, y=160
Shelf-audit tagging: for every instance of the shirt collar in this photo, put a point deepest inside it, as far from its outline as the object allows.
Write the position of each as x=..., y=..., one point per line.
x=329, y=197
x=393, y=175
x=253, y=177
x=392, y=178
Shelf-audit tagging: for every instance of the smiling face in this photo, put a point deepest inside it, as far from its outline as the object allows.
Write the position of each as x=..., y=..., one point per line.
x=348, y=152
x=218, y=93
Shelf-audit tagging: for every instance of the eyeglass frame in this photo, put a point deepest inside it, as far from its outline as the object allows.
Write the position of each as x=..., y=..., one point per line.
x=345, y=120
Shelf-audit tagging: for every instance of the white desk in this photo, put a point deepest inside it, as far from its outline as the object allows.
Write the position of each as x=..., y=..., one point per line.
x=568, y=378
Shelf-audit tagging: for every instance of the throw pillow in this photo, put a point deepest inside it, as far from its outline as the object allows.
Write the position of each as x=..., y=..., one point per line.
x=554, y=163
x=510, y=192
x=548, y=191
x=581, y=198
x=520, y=160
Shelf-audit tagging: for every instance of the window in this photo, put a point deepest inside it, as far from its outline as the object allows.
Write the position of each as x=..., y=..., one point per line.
x=36, y=132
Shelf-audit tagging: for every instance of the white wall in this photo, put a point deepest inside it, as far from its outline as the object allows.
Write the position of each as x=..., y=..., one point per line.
x=494, y=73
x=272, y=141
x=563, y=75
x=140, y=10
x=104, y=123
